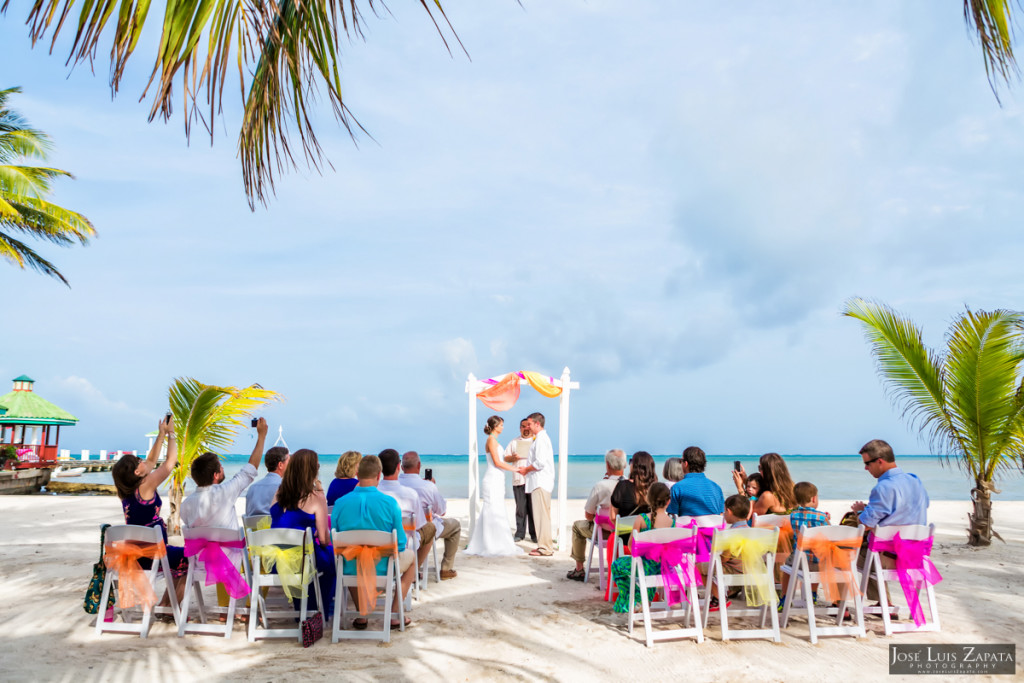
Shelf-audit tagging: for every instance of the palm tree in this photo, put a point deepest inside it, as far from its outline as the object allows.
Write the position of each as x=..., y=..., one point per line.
x=206, y=418
x=24, y=209
x=284, y=53
x=967, y=400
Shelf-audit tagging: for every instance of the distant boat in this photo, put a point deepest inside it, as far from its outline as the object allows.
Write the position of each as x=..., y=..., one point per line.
x=68, y=471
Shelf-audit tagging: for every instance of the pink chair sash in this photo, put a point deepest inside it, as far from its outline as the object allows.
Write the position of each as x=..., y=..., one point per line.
x=914, y=567
x=705, y=535
x=671, y=555
x=219, y=568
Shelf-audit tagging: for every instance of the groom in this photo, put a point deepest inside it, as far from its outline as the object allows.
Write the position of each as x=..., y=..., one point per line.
x=540, y=479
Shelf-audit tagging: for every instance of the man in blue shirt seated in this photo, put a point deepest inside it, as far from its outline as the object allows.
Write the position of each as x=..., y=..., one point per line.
x=367, y=508
x=695, y=494
x=898, y=498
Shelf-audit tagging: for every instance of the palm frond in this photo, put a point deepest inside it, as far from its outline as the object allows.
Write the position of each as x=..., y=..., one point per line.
x=992, y=22
x=23, y=142
x=982, y=365
x=23, y=256
x=913, y=374
x=29, y=180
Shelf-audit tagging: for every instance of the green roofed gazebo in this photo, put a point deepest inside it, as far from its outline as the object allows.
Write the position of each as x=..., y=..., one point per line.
x=29, y=421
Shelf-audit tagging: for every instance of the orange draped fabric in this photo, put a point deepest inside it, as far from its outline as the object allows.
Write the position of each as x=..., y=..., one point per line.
x=541, y=384
x=133, y=587
x=834, y=563
x=366, y=557
x=503, y=395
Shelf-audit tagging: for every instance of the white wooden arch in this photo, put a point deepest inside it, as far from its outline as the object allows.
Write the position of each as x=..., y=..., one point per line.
x=473, y=387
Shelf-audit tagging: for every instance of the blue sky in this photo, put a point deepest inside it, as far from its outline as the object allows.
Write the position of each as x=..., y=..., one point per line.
x=671, y=199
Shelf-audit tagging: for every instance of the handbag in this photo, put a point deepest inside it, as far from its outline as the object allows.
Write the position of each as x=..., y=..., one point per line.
x=312, y=626
x=94, y=593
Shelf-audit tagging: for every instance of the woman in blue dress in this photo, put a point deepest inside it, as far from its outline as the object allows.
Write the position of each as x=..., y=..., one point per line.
x=300, y=504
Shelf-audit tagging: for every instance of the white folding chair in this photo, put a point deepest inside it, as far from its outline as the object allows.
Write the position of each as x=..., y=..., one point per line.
x=763, y=577
x=873, y=569
x=262, y=610
x=254, y=522
x=196, y=579
x=431, y=557
x=390, y=582
x=413, y=538
x=600, y=534
x=801, y=578
x=131, y=534
x=623, y=525
x=689, y=610
x=785, y=526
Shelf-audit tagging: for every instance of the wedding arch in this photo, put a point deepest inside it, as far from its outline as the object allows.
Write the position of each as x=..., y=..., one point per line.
x=500, y=394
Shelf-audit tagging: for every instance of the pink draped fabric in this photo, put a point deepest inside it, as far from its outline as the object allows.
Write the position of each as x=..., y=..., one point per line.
x=219, y=568
x=914, y=567
x=671, y=555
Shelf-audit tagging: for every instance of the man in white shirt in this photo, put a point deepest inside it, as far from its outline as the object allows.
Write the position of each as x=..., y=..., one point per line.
x=540, y=479
x=600, y=496
x=408, y=500
x=435, y=506
x=213, y=502
x=260, y=495
x=524, y=507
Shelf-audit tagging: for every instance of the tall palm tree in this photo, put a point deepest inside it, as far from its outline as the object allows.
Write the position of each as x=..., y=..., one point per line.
x=968, y=400
x=284, y=53
x=207, y=418
x=24, y=209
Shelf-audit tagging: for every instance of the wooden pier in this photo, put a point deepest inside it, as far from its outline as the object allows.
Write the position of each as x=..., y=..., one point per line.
x=89, y=465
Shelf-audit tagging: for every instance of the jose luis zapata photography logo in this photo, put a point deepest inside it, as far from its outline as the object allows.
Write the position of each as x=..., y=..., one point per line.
x=953, y=659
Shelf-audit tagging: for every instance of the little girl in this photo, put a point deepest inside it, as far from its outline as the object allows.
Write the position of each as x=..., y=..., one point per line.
x=751, y=488
x=658, y=497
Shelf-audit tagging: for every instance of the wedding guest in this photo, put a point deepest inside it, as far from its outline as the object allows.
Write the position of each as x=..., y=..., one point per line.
x=448, y=529
x=260, y=495
x=750, y=488
x=672, y=471
x=524, y=506
x=344, y=476
x=630, y=495
x=807, y=515
x=695, y=494
x=600, y=496
x=367, y=508
x=737, y=512
x=540, y=479
x=776, y=495
x=658, y=497
x=136, y=481
x=213, y=501
x=408, y=500
x=300, y=504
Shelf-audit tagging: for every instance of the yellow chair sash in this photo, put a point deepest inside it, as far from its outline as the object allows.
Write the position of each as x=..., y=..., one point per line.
x=751, y=552
x=289, y=566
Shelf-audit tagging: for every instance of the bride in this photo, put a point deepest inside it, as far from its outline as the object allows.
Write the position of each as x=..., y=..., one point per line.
x=492, y=534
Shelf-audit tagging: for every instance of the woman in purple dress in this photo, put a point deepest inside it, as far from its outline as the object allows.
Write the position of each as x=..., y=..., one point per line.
x=136, y=481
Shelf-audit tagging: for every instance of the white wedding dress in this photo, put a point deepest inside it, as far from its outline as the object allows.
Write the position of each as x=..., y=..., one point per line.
x=492, y=535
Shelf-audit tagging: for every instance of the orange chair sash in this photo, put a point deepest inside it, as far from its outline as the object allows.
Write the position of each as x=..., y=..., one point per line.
x=133, y=587
x=366, y=557
x=834, y=564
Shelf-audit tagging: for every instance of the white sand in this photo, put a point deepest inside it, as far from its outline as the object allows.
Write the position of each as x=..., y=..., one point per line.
x=501, y=619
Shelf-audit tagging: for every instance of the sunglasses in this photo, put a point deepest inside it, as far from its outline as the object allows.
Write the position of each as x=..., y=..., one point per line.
x=867, y=463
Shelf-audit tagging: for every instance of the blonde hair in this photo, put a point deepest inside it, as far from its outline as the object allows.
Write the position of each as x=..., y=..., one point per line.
x=348, y=463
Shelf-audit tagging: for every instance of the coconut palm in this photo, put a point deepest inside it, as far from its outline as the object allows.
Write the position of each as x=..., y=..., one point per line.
x=968, y=400
x=207, y=418
x=283, y=53
x=24, y=209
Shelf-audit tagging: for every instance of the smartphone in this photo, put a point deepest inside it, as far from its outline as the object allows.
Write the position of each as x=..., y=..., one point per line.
x=736, y=465
x=167, y=417
x=428, y=473
x=255, y=421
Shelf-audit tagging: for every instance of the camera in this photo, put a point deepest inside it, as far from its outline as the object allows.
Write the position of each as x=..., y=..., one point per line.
x=255, y=421
x=428, y=473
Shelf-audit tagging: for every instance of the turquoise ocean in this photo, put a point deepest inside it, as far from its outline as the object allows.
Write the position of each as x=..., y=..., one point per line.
x=836, y=476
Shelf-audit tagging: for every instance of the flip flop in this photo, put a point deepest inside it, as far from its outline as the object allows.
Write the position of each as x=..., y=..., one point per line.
x=408, y=623
x=360, y=624
x=537, y=553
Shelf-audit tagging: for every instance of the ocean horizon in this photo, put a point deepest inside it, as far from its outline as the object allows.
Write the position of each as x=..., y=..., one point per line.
x=836, y=476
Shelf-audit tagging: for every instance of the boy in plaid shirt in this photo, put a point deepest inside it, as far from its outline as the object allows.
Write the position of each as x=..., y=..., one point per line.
x=805, y=515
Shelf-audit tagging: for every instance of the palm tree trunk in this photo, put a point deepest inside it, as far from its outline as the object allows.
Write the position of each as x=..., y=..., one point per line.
x=174, y=516
x=980, y=532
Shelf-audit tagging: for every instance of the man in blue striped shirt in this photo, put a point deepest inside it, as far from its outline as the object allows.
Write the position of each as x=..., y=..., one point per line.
x=695, y=494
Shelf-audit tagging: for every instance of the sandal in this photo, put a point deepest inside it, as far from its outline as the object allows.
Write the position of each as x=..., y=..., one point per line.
x=576, y=575
x=360, y=624
x=408, y=623
x=714, y=607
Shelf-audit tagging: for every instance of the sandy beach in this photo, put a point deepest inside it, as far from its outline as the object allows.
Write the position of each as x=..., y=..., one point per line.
x=500, y=619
